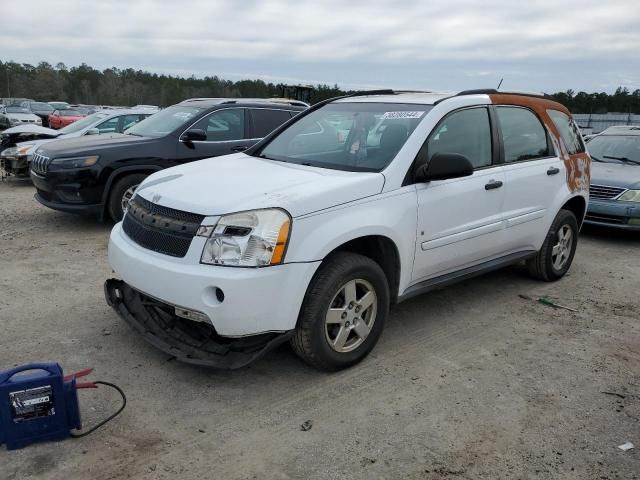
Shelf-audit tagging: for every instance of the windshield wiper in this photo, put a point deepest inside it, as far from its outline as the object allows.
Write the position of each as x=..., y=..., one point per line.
x=262, y=155
x=596, y=159
x=133, y=134
x=623, y=159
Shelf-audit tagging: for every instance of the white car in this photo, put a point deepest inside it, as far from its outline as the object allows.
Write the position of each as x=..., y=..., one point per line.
x=312, y=241
x=13, y=115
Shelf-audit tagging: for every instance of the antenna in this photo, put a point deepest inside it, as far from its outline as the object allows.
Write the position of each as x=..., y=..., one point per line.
x=500, y=84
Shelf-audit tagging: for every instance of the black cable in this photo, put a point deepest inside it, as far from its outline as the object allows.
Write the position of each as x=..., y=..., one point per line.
x=108, y=419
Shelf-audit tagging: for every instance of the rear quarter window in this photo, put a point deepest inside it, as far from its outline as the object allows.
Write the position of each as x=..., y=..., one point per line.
x=568, y=131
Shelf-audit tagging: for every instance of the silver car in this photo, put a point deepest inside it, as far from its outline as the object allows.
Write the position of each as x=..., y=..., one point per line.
x=13, y=115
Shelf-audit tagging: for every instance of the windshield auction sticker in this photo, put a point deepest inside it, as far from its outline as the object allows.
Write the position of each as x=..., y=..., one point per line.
x=402, y=115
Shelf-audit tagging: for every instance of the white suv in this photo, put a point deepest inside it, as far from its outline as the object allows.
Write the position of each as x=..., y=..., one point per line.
x=356, y=204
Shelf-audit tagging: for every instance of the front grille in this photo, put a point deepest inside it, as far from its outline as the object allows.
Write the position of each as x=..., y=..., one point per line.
x=605, y=192
x=40, y=163
x=160, y=229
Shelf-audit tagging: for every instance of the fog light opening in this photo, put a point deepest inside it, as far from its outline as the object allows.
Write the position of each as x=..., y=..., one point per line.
x=219, y=295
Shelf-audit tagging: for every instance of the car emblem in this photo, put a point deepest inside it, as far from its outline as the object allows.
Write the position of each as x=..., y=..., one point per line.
x=156, y=198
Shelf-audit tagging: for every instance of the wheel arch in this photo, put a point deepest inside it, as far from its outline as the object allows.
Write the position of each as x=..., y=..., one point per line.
x=578, y=206
x=117, y=175
x=382, y=250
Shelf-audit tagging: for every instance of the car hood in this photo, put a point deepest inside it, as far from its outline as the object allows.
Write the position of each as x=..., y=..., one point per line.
x=90, y=144
x=23, y=116
x=621, y=175
x=238, y=182
x=32, y=129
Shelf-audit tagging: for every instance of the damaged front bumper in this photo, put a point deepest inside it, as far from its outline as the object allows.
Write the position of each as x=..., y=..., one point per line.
x=189, y=341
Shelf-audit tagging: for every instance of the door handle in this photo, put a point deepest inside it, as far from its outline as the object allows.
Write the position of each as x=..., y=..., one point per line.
x=493, y=184
x=239, y=148
x=553, y=171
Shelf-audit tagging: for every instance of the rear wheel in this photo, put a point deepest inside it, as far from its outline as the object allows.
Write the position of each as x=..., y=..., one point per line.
x=343, y=313
x=557, y=252
x=121, y=192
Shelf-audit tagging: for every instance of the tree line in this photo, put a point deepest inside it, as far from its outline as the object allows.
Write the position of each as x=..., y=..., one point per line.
x=114, y=86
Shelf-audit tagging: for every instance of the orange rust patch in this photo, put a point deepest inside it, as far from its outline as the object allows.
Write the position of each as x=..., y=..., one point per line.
x=578, y=165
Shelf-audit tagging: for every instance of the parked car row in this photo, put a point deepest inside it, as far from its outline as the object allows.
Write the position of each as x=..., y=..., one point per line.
x=244, y=223
x=19, y=143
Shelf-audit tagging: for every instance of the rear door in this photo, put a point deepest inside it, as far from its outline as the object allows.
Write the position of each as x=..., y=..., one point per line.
x=460, y=220
x=228, y=131
x=534, y=175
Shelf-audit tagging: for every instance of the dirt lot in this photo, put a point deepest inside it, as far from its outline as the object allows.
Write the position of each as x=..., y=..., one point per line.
x=468, y=382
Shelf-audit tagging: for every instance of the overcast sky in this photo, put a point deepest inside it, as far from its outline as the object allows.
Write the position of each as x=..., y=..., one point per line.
x=546, y=45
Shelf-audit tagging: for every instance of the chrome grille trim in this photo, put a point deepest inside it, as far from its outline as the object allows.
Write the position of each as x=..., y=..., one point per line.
x=40, y=163
x=605, y=192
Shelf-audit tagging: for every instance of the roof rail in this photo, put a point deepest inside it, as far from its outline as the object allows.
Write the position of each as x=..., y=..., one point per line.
x=284, y=101
x=493, y=91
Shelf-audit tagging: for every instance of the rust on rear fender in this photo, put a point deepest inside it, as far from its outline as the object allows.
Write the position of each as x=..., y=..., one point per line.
x=578, y=165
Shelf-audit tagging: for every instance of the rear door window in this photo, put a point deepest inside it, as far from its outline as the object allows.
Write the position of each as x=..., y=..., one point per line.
x=523, y=135
x=568, y=131
x=266, y=120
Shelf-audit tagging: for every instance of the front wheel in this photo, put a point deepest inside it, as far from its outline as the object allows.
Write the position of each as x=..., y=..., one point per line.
x=343, y=312
x=554, y=258
x=121, y=192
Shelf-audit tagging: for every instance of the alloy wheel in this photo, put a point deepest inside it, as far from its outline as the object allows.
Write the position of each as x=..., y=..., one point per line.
x=351, y=315
x=562, y=250
x=128, y=195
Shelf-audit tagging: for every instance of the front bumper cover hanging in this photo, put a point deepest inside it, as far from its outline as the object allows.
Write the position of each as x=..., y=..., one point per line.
x=186, y=340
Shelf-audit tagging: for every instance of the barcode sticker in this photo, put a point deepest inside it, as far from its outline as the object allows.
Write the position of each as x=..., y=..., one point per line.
x=388, y=115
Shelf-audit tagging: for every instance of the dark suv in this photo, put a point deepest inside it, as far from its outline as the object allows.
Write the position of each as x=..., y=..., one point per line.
x=97, y=175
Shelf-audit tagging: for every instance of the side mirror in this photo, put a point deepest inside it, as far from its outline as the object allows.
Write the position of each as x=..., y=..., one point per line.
x=443, y=166
x=194, y=135
x=93, y=131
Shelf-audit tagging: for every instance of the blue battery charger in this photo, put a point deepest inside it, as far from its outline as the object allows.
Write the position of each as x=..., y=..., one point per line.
x=37, y=406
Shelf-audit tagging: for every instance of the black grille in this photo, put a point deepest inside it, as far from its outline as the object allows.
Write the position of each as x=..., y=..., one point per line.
x=160, y=229
x=604, y=192
x=166, y=211
x=40, y=163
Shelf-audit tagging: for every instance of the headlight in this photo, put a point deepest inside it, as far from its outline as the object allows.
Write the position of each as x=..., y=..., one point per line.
x=15, y=120
x=75, y=162
x=16, y=151
x=631, y=196
x=256, y=238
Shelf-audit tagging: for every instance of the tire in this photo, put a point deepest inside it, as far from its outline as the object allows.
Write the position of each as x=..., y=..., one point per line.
x=120, y=188
x=554, y=258
x=335, y=340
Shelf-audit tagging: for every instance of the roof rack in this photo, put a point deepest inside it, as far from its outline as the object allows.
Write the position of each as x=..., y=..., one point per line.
x=493, y=91
x=285, y=101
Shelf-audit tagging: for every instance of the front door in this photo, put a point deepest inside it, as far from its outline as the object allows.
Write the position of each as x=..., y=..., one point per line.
x=460, y=220
x=227, y=132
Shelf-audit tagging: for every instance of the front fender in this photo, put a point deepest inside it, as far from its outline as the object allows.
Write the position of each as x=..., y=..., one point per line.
x=391, y=215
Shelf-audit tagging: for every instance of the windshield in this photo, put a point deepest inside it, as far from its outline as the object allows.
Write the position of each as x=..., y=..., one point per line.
x=16, y=110
x=615, y=148
x=58, y=104
x=164, y=122
x=70, y=113
x=41, y=107
x=83, y=123
x=354, y=136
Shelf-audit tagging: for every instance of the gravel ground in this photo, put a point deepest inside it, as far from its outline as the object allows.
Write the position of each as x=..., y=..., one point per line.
x=468, y=382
